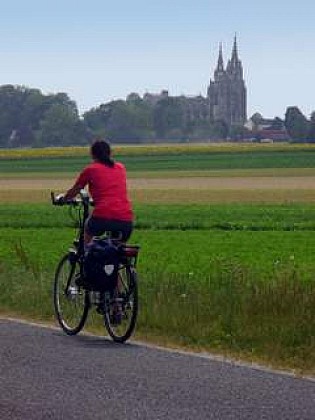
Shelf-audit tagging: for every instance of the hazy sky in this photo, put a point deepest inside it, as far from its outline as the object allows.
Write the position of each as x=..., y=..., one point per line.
x=100, y=50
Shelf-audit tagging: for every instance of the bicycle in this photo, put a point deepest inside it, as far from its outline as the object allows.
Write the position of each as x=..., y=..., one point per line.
x=74, y=297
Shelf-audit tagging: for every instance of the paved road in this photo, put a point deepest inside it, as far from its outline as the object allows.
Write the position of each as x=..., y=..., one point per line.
x=48, y=375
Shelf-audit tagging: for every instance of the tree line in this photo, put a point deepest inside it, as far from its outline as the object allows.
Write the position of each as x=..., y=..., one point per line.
x=28, y=118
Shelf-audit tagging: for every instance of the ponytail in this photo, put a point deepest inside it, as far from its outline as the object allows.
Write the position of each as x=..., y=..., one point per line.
x=100, y=150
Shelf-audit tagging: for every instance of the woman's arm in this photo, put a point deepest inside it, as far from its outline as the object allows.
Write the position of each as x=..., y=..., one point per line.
x=80, y=183
x=72, y=192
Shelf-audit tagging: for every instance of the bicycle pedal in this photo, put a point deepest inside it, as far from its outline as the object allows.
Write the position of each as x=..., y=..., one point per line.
x=73, y=256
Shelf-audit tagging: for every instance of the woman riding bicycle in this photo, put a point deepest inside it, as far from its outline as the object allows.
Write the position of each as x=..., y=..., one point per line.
x=107, y=184
x=92, y=275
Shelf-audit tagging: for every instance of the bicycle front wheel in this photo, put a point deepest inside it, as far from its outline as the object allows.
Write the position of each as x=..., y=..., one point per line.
x=121, y=308
x=71, y=302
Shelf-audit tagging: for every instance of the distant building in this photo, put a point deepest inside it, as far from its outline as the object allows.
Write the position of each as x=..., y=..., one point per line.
x=227, y=91
x=195, y=108
x=153, y=99
x=274, y=135
x=225, y=101
x=262, y=129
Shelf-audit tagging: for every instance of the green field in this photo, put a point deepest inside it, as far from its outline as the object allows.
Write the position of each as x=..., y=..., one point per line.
x=236, y=217
x=180, y=252
x=235, y=278
x=169, y=162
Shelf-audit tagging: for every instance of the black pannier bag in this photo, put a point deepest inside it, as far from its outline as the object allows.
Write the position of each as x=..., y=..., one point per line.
x=101, y=264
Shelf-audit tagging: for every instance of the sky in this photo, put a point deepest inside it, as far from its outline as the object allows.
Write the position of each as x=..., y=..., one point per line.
x=100, y=50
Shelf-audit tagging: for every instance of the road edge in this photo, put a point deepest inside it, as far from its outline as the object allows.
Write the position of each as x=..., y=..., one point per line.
x=203, y=355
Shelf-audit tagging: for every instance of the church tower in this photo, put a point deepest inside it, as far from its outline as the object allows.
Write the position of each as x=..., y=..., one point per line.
x=227, y=92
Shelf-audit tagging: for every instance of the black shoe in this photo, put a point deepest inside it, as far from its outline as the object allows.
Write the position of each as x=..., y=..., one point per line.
x=117, y=313
x=100, y=309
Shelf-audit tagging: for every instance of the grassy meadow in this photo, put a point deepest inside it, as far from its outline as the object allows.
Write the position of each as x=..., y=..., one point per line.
x=226, y=271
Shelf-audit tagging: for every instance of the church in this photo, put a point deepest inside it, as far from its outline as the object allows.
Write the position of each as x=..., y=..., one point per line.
x=225, y=99
x=227, y=91
x=222, y=111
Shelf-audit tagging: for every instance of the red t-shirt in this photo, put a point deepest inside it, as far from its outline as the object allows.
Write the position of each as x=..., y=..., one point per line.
x=108, y=188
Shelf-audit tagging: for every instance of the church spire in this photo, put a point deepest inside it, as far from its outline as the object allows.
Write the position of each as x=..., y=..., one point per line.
x=220, y=66
x=219, y=71
x=234, y=58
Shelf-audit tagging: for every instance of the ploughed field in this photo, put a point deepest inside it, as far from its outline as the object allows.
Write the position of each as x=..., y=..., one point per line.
x=227, y=244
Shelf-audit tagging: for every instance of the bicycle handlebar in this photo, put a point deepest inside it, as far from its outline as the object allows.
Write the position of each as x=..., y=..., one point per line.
x=84, y=199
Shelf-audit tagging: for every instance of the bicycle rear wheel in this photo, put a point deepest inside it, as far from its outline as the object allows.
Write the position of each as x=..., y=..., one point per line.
x=71, y=302
x=121, y=307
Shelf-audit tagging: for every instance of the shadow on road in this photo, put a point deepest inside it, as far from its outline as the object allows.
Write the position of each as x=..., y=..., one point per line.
x=93, y=341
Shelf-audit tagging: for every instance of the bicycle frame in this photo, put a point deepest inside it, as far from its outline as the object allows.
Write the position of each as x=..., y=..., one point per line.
x=130, y=252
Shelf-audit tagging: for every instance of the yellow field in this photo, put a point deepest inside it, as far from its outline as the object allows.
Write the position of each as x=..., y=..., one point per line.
x=154, y=149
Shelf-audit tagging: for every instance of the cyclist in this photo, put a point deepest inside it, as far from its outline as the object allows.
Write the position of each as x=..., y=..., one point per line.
x=107, y=184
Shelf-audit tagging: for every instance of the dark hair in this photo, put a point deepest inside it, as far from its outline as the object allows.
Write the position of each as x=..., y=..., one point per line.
x=100, y=150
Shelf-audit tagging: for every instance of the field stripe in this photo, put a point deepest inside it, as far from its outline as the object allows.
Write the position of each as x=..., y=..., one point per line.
x=179, y=196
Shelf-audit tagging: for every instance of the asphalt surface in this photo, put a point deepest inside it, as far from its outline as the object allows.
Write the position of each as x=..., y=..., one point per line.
x=47, y=375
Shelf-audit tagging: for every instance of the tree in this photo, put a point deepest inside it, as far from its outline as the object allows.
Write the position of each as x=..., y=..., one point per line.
x=10, y=110
x=130, y=121
x=97, y=119
x=61, y=126
x=296, y=124
x=167, y=116
x=311, y=134
x=126, y=121
x=28, y=118
x=257, y=118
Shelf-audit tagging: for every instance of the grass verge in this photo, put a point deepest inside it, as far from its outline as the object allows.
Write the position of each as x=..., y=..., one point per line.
x=231, y=312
